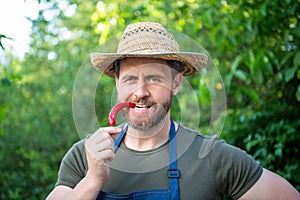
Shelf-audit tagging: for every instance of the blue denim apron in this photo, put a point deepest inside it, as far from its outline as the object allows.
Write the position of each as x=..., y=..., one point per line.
x=157, y=194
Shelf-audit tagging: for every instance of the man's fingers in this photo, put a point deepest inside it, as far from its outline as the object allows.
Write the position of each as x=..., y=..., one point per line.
x=102, y=134
x=105, y=133
x=110, y=130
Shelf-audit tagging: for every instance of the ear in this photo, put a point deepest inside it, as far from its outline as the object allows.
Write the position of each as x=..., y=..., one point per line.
x=176, y=83
x=117, y=82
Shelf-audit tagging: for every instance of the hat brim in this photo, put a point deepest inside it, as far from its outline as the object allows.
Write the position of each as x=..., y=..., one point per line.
x=192, y=62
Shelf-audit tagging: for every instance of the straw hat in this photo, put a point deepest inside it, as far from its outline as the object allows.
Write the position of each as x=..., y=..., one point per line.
x=151, y=40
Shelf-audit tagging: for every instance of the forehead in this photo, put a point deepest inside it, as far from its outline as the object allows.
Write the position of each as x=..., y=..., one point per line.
x=143, y=64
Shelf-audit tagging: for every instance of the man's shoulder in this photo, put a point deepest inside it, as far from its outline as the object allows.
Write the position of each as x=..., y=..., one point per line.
x=203, y=144
x=207, y=144
x=198, y=136
x=77, y=149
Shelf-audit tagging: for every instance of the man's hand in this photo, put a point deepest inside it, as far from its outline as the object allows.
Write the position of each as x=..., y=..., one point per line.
x=100, y=153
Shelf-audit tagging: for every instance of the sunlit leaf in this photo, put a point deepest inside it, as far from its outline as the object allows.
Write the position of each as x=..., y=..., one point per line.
x=241, y=75
x=298, y=93
x=289, y=73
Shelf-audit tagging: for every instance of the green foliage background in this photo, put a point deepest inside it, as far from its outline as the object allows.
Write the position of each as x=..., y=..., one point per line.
x=254, y=44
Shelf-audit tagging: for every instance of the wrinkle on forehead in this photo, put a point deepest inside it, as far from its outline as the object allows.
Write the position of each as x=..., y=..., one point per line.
x=144, y=66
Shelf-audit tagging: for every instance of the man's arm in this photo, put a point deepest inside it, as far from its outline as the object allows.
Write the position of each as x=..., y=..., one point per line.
x=99, y=150
x=271, y=186
x=85, y=189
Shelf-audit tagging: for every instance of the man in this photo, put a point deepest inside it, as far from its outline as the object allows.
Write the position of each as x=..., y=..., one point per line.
x=154, y=157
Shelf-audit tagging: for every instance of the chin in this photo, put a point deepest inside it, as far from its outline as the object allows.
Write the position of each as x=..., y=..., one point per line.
x=147, y=124
x=156, y=117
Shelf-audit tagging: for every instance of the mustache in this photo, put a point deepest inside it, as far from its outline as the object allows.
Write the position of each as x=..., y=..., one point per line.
x=143, y=101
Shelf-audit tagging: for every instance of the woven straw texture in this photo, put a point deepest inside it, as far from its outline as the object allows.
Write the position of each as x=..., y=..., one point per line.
x=148, y=39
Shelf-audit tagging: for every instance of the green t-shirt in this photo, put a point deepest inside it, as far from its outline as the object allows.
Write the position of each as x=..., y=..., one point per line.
x=209, y=168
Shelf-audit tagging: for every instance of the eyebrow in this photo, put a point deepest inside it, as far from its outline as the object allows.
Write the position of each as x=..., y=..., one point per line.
x=128, y=76
x=154, y=76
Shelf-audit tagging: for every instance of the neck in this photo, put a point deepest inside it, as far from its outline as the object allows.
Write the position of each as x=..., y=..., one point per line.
x=143, y=140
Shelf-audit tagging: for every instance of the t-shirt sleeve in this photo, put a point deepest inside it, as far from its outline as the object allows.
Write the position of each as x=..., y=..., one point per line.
x=236, y=171
x=73, y=166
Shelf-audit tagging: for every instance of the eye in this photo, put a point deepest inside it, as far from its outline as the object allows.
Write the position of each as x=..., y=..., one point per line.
x=154, y=79
x=129, y=79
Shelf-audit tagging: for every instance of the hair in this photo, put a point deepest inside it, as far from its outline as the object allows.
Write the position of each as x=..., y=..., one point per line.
x=174, y=64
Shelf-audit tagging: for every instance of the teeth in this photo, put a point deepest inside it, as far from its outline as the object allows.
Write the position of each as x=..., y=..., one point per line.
x=141, y=106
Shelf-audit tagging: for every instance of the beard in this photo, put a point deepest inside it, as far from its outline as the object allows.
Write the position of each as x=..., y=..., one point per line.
x=156, y=115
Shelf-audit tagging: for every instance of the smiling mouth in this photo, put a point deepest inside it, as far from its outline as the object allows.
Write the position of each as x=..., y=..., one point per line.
x=142, y=106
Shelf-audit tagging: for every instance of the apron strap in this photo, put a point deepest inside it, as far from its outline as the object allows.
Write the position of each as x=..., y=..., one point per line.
x=173, y=172
x=120, y=138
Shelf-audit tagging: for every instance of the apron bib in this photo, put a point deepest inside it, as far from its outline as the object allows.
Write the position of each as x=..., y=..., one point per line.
x=172, y=193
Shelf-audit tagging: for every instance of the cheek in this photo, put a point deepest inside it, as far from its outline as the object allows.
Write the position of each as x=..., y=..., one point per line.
x=165, y=88
x=124, y=93
x=161, y=94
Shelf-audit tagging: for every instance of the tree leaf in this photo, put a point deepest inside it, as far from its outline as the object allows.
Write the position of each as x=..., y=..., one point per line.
x=297, y=59
x=241, y=75
x=236, y=63
x=251, y=93
x=298, y=93
x=289, y=73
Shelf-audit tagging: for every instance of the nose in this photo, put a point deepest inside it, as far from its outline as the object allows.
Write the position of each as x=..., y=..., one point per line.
x=141, y=92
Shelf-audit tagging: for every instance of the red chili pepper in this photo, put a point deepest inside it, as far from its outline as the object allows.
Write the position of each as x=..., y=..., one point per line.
x=114, y=111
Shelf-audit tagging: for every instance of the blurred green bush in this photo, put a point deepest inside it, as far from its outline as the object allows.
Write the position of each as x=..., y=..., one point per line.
x=254, y=45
